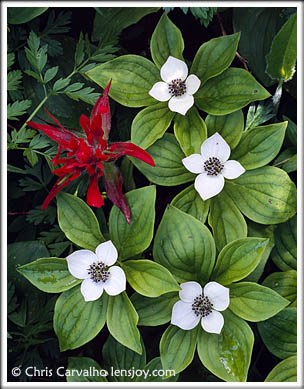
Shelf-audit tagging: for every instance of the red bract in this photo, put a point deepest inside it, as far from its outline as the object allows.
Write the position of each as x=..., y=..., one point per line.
x=92, y=154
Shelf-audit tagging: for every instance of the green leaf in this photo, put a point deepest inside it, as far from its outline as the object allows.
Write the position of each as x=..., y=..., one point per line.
x=226, y=220
x=258, y=26
x=19, y=254
x=132, y=239
x=10, y=59
x=259, y=114
x=18, y=108
x=14, y=78
x=228, y=354
x=83, y=369
x=260, y=231
x=265, y=195
x=166, y=41
x=122, y=321
x=290, y=165
x=119, y=357
x=76, y=322
x=167, y=156
x=184, y=246
x=150, y=124
x=284, y=371
x=291, y=131
x=77, y=220
x=284, y=254
x=254, y=302
x=190, y=131
x=61, y=83
x=283, y=53
x=177, y=348
x=189, y=201
x=214, y=56
x=50, y=74
x=31, y=156
x=49, y=274
x=79, y=51
x=260, y=145
x=237, y=259
x=230, y=127
x=284, y=283
x=19, y=15
x=132, y=78
x=154, y=311
x=231, y=90
x=109, y=22
x=279, y=333
x=149, y=278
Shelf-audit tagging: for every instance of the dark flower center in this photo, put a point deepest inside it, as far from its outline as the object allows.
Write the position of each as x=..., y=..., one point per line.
x=213, y=166
x=202, y=306
x=98, y=272
x=177, y=87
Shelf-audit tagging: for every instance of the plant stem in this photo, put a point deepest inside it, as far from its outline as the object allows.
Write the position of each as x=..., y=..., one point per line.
x=243, y=60
x=35, y=111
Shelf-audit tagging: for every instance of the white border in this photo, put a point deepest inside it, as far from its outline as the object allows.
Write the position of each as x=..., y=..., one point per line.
x=300, y=232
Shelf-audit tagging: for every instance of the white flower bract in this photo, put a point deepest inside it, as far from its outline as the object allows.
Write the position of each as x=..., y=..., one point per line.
x=176, y=87
x=198, y=305
x=97, y=272
x=212, y=166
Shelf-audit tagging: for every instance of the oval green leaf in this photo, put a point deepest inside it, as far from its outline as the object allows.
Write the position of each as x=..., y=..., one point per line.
x=226, y=220
x=150, y=124
x=84, y=369
x=76, y=322
x=166, y=40
x=228, y=354
x=238, y=259
x=118, y=357
x=254, y=302
x=284, y=371
x=283, y=53
x=265, y=195
x=167, y=156
x=190, y=131
x=77, y=220
x=19, y=15
x=279, y=333
x=149, y=278
x=258, y=26
x=230, y=126
x=50, y=275
x=231, y=90
x=260, y=145
x=177, y=348
x=154, y=311
x=122, y=321
x=134, y=238
x=284, y=283
x=214, y=56
x=189, y=201
x=184, y=246
x=260, y=231
x=284, y=253
x=132, y=78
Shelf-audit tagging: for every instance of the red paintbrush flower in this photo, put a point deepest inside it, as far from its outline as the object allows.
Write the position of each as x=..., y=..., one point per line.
x=93, y=155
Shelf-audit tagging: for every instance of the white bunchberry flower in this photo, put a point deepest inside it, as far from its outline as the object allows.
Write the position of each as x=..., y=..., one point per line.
x=195, y=306
x=176, y=87
x=97, y=272
x=212, y=166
